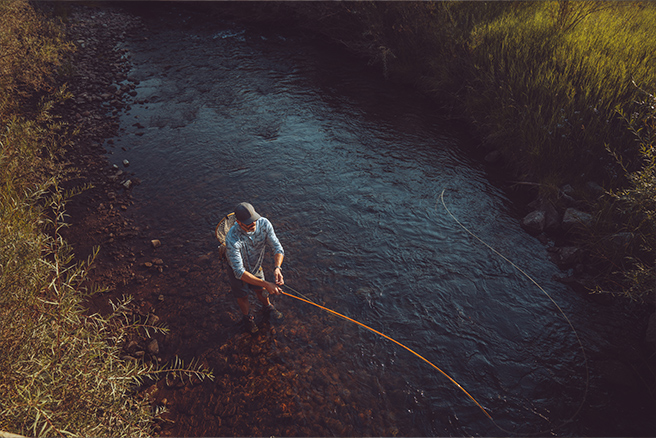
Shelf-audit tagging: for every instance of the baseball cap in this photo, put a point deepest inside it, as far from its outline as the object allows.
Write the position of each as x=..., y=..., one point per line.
x=246, y=214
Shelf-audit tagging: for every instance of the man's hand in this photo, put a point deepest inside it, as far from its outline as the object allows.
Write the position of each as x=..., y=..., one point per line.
x=272, y=288
x=279, y=278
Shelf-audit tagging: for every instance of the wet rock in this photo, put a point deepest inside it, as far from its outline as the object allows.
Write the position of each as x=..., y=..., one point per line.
x=567, y=256
x=535, y=222
x=153, y=347
x=127, y=184
x=126, y=163
x=551, y=216
x=574, y=218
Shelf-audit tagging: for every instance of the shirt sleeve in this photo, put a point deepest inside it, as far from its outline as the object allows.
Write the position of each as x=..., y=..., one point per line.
x=272, y=239
x=233, y=254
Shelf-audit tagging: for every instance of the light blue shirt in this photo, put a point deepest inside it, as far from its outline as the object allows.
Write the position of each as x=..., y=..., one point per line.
x=245, y=251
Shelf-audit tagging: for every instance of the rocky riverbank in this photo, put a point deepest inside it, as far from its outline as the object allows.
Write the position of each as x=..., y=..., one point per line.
x=101, y=91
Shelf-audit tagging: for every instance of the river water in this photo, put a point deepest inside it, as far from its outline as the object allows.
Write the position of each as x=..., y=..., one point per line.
x=349, y=169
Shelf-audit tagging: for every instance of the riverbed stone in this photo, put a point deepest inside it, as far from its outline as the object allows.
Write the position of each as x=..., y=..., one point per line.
x=573, y=218
x=153, y=347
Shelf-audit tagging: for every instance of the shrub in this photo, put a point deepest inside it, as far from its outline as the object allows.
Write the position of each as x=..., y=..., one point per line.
x=624, y=240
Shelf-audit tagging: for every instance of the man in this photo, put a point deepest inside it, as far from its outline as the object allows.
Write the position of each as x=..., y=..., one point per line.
x=245, y=245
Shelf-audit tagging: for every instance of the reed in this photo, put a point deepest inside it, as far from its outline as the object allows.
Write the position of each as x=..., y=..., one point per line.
x=60, y=370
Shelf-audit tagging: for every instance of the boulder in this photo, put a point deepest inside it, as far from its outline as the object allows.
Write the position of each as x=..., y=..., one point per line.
x=534, y=222
x=573, y=218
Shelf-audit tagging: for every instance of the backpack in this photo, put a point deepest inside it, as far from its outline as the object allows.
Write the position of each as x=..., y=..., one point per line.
x=221, y=231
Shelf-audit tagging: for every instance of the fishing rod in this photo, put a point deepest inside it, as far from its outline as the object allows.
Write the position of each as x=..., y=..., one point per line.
x=487, y=414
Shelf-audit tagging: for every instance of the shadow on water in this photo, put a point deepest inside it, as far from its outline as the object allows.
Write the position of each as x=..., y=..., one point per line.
x=349, y=171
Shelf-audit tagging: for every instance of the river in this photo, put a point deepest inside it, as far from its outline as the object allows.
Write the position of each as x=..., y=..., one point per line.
x=349, y=169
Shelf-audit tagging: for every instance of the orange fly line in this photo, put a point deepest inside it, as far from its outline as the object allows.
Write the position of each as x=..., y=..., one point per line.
x=393, y=340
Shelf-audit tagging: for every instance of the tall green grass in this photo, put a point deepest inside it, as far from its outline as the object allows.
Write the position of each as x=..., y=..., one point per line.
x=548, y=95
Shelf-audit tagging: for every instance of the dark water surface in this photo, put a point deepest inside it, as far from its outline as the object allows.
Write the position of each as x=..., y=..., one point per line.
x=349, y=170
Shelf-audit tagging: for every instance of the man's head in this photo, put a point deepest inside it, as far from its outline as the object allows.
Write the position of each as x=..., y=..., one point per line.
x=246, y=214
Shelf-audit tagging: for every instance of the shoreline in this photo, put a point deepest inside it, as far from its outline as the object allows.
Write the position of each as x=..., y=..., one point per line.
x=100, y=215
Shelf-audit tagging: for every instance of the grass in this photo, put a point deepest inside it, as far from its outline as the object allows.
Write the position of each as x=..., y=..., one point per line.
x=60, y=369
x=551, y=93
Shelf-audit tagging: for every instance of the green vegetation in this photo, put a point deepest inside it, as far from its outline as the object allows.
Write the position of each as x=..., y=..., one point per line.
x=60, y=372
x=543, y=82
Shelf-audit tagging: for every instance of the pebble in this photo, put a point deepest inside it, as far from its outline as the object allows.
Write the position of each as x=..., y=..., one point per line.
x=153, y=347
